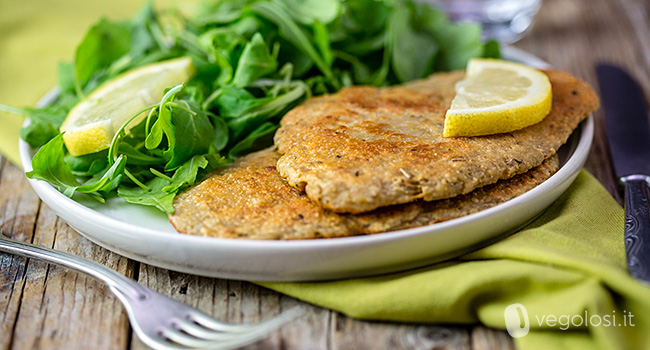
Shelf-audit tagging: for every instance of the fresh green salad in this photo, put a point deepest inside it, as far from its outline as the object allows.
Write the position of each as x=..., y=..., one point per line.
x=254, y=61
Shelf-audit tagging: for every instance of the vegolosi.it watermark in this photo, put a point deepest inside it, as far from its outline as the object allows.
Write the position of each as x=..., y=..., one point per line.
x=518, y=322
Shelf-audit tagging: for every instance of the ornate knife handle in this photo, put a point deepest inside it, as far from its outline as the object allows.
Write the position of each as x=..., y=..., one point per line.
x=637, y=225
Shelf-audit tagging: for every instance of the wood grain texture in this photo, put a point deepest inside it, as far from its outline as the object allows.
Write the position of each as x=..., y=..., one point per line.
x=49, y=307
x=574, y=35
x=46, y=307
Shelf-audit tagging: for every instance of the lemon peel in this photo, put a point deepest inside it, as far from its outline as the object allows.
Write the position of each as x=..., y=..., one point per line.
x=498, y=96
x=91, y=124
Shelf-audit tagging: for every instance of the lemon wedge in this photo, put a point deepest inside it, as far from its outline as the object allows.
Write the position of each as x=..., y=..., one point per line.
x=91, y=124
x=497, y=96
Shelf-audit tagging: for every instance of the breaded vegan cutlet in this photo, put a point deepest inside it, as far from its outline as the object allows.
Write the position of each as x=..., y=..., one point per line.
x=251, y=201
x=365, y=148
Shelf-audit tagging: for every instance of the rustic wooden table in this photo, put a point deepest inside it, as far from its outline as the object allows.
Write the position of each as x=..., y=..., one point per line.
x=49, y=307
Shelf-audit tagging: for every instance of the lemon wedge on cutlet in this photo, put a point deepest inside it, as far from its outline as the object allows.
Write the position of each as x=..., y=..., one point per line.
x=498, y=96
x=91, y=124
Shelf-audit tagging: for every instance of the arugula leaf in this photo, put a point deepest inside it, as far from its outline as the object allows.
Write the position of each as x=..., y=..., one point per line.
x=193, y=134
x=163, y=125
x=136, y=157
x=290, y=31
x=43, y=124
x=105, y=181
x=66, y=77
x=491, y=49
x=37, y=134
x=364, y=16
x=254, y=63
x=161, y=190
x=185, y=175
x=220, y=133
x=300, y=61
x=153, y=195
x=49, y=165
x=459, y=43
x=254, y=117
x=322, y=40
x=233, y=102
x=87, y=165
x=104, y=43
x=141, y=38
x=258, y=139
x=220, y=12
x=413, y=51
x=310, y=11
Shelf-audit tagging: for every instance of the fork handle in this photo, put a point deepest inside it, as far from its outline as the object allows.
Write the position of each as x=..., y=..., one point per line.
x=114, y=280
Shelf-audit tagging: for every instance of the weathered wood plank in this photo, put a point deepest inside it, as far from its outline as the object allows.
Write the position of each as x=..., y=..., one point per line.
x=51, y=307
x=18, y=205
x=316, y=328
x=239, y=302
x=484, y=338
x=575, y=35
x=65, y=309
x=348, y=333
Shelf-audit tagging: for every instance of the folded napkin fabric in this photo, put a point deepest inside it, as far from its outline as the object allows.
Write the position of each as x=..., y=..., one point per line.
x=568, y=262
x=567, y=270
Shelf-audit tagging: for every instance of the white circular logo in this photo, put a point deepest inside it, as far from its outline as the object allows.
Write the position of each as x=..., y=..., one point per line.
x=517, y=322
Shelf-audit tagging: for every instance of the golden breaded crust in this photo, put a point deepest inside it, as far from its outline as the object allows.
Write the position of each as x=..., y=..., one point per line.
x=365, y=148
x=250, y=200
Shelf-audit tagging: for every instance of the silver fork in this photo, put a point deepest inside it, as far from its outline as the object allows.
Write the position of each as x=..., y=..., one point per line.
x=160, y=322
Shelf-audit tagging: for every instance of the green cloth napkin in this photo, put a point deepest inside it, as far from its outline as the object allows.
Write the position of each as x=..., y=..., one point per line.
x=569, y=261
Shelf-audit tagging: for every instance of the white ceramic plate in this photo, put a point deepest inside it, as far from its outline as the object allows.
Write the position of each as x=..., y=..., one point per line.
x=144, y=234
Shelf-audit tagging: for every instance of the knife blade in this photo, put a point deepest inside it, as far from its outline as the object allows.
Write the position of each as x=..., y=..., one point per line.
x=628, y=133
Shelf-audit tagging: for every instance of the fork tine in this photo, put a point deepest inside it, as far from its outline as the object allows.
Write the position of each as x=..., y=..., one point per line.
x=210, y=323
x=159, y=321
x=204, y=333
x=195, y=336
x=186, y=340
x=230, y=340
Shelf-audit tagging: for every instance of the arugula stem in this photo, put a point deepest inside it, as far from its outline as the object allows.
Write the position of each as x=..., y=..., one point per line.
x=179, y=106
x=159, y=36
x=147, y=124
x=13, y=110
x=192, y=43
x=267, y=82
x=211, y=98
x=135, y=180
x=283, y=99
x=139, y=145
x=161, y=175
x=292, y=32
x=113, y=149
x=169, y=95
